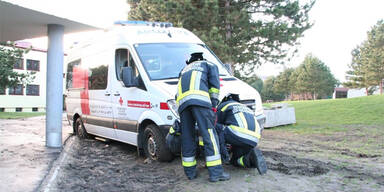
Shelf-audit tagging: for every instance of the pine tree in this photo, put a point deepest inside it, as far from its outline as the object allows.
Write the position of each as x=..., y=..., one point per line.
x=244, y=33
x=367, y=67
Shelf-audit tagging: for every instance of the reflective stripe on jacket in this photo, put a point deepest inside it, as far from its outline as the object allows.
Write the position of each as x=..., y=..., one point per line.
x=198, y=85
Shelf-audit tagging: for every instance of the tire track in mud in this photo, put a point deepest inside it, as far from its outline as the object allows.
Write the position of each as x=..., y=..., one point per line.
x=289, y=165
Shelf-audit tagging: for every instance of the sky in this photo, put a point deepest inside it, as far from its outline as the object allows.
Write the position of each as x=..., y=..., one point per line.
x=339, y=26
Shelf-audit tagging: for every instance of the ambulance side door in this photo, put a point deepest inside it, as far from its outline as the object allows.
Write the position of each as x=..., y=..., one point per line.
x=128, y=102
x=100, y=114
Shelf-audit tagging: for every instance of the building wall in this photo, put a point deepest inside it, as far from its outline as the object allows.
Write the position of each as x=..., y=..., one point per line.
x=9, y=103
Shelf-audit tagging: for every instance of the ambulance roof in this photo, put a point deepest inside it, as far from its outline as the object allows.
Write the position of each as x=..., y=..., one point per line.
x=149, y=34
x=136, y=34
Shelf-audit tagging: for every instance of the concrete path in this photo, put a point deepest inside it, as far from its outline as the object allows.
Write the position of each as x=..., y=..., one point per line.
x=24, y=159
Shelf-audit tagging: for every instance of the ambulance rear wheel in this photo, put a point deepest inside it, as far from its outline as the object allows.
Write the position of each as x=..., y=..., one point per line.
x=154, y=144
x=80, y=129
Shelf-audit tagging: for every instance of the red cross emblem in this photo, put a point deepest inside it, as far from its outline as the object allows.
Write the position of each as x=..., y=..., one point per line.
x=121, y=101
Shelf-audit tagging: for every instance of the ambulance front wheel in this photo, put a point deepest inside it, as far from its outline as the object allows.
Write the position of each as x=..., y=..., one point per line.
x=154, y=144
x=80, y=129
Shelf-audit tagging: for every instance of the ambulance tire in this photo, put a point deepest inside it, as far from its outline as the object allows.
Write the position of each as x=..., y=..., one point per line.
x=80, y=130
x=154, y=145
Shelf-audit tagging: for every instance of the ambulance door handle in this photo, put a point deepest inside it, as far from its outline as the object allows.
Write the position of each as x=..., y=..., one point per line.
x=107, y=94
x=117, y=94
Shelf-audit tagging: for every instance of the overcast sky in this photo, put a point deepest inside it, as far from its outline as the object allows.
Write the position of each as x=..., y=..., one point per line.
x=339, y=26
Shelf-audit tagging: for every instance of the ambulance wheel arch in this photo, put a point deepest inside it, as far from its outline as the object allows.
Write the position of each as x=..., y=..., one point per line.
x=151, y=142
x=80, y=129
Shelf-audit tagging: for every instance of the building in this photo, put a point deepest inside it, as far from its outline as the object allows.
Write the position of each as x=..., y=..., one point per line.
x=340, y=92
x=30, y=97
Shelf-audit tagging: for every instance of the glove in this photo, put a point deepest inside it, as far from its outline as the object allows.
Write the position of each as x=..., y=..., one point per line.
x=214, y=115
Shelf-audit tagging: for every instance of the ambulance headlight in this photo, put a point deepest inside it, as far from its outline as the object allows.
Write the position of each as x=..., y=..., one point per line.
x=173, y=107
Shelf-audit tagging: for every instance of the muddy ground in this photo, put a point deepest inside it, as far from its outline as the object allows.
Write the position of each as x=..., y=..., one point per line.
x=296, y=163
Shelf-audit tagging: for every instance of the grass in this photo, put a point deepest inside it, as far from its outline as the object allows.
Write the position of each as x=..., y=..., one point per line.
x=334, y=115
x=356, y=124
x=19, y=115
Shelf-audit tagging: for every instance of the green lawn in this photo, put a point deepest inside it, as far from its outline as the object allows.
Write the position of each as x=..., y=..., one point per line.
x=336, y=114
x=19, y=115
x=356, y=124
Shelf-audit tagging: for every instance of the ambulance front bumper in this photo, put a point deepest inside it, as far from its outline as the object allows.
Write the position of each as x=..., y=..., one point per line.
x=261, y=120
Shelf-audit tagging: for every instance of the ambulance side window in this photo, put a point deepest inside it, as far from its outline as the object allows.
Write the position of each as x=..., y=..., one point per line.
x=98, y=77
x=123, y=58
x=72, y=82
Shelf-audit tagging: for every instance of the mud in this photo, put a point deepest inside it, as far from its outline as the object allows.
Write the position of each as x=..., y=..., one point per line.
x=289, y=165
x=94, y=165
x=113, y=166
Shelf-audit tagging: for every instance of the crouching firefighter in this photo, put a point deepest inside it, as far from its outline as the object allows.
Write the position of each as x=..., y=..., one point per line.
x=197, y=97
x=238, y=126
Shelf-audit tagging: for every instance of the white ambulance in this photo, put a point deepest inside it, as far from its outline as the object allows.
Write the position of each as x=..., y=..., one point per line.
x=122, y=85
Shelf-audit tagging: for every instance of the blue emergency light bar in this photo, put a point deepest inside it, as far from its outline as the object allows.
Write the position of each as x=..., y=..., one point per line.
x=144, y=23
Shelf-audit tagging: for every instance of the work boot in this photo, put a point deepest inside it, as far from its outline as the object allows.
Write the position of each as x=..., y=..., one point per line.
x=259, y=161
x=192, y=176
x=223, y=177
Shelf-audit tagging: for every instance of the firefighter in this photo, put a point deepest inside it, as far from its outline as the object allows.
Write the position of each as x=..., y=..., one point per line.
x=197, y=97
x=238, y=126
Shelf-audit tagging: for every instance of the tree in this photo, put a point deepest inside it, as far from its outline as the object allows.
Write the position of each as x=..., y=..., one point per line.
x=9, y=56
x=245, y=33
x=255, y=82
x=367, y=66
x=357, y=76
x=268, y=92
x=375, y=54
x=283, y=84
x=314, y=77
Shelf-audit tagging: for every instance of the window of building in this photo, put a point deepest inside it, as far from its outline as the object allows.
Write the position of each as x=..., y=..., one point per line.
x=33, y=65
x=35, y=109
x=16, y=90
x=2, y=109
x=33, y=90
x=19, y=64
x=2, y=90
x=19, y=109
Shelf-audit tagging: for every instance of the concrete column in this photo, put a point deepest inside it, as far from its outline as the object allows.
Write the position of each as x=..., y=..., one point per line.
x=54, y=98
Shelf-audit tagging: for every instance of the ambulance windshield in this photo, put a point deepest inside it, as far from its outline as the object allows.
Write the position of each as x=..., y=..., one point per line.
x=166, y=60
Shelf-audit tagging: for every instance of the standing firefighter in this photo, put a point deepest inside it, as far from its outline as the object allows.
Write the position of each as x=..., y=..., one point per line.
x=197, y=97
x=238, y=125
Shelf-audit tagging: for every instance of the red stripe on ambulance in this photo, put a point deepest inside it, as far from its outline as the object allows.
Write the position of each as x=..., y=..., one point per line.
x=139, y=104
x=80, y=80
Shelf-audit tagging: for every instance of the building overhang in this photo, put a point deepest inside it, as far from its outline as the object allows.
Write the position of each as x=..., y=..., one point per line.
x=17, y=23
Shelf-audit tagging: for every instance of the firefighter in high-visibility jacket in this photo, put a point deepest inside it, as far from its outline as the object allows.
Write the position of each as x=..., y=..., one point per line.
x=197, y=97
x=238, y=126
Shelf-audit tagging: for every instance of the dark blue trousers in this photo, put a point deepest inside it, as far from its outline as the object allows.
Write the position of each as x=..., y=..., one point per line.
x=204, y=118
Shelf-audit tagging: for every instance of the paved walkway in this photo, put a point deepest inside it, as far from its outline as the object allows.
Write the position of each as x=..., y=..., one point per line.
x=24, y=159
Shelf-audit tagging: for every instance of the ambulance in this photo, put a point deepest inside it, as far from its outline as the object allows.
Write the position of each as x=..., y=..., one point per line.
x=121, y=85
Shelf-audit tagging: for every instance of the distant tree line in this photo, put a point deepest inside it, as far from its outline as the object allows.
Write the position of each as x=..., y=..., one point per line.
x=367, y=66
x=311, y=80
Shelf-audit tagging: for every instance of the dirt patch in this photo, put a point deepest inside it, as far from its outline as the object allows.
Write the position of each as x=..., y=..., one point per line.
x=289, y=165
x=93, y=165
x=98, y=166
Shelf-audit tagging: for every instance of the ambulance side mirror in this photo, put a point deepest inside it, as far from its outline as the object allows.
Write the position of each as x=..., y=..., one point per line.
x=229, y=68
x=127, y=76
